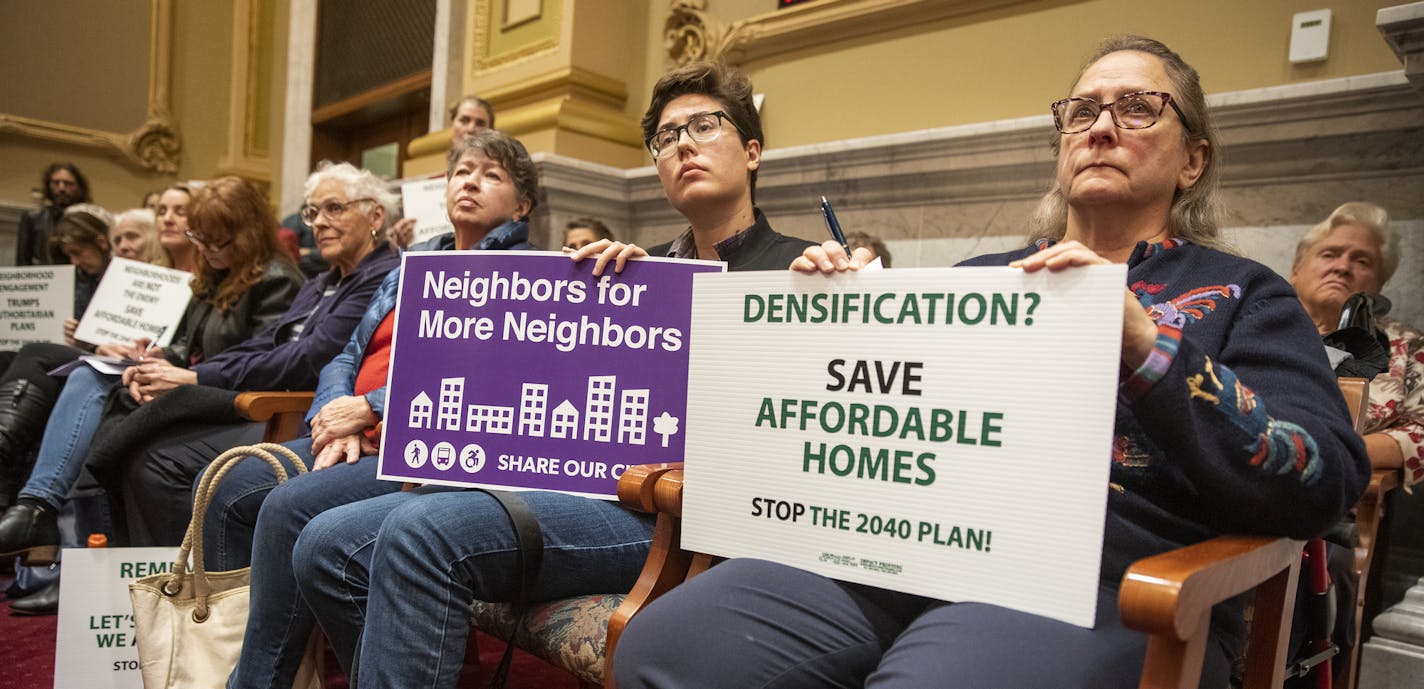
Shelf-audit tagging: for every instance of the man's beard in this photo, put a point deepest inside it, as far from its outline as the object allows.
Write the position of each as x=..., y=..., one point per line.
x=65, y=198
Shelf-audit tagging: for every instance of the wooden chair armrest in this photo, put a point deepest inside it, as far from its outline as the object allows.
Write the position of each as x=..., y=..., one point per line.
x=1369, y=512
x=655, y=488
x=261, y=406
x=282, y=411
x=1170, y=596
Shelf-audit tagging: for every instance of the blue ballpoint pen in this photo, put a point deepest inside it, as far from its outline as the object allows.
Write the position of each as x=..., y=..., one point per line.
x=833, y=225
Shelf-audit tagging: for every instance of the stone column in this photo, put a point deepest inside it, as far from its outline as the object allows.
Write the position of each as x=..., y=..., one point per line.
x=559, y=90
x=1394, y=657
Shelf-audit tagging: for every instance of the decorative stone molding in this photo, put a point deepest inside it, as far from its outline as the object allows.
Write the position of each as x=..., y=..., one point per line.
x=1403, y=29
x=690, y=32
x=245, y=101
x=1291, y=154
x=1394, y=657
x=485, y=62
x=569, y=99
x=155, y=145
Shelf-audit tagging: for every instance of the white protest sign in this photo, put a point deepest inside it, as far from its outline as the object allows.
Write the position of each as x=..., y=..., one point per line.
x=94, y=643
x=135, y=300
x=424, y=200
x=943, y=432
x=34, y=303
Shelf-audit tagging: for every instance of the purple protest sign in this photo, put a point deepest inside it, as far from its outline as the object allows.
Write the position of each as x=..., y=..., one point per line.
x=520, y=369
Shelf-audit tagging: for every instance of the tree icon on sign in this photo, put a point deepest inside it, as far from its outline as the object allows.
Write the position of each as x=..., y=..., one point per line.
x=665, y=425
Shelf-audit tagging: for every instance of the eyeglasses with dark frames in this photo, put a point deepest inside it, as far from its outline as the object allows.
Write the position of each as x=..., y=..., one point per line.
x=331, y=209
x=703, y=128
x=1138, y=110
x=205, y=244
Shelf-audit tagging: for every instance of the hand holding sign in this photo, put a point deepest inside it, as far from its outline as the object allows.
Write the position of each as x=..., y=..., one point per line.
x=1139, y=331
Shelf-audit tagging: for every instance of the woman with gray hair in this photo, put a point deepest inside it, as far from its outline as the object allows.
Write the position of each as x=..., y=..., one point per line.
x=1354, y=250
x=491, y=187
x=1227, y=420
x=348, y=210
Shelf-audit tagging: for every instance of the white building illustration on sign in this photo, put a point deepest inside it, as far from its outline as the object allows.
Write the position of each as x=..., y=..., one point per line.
x=598, y=411
x=566, y=418
x=633, y=417
x=452, y=396
x=534, y=420
x=420, y=411
x=533, y=400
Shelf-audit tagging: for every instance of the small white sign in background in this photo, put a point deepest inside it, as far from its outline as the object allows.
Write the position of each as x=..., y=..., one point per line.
x=94, y=644
x=34, y=302
x=135, y=300
x=943, y=432
x=424, y=200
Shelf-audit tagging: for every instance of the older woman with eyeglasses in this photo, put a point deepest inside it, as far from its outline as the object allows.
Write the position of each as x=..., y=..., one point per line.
x=156, y=455
x=1355, y=250
x=1228, y=420
x=491, y=187
x=244, y=283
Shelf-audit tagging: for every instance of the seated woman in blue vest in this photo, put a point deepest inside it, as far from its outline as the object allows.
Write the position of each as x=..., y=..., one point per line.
x=491, y=187
x=1228, y=420
x=422, y=556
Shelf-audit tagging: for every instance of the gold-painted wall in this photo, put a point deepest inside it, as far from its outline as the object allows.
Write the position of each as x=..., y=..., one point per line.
x=1012, y=61
x=202, y=47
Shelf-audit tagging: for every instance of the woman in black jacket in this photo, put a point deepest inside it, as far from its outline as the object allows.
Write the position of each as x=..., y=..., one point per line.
x=244, y=281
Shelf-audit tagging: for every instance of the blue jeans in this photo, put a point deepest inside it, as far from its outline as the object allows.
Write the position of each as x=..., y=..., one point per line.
x=279, y=622
x=755, y=624
x=423, y=556
x=67, y=435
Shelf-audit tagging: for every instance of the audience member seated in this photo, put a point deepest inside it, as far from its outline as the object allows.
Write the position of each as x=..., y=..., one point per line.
x=1228, y=420
x=150, y=200
x=134, y=235
x=1355, y=250
x=28, y=392
x=492, y=186
x=158, y=453
x=468, y=116
x=245, y=283
x=64, y=185
x=871, y=243
x=580, y=232
x=82, y=238
x=435, y=550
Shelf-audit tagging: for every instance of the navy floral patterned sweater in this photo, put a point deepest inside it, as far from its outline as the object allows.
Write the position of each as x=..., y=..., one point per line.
x=1234, y=424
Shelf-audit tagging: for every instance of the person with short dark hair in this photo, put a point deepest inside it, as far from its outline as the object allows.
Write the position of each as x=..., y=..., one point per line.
x=580, y=232
x=491, y=187
x=63, y=186
x=434, y=552
x=469, y=116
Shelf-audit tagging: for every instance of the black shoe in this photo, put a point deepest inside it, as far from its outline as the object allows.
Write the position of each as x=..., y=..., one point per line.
x=30, y=531
x=42, y=602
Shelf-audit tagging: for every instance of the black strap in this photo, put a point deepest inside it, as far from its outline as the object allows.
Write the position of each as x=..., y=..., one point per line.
x=531, y=556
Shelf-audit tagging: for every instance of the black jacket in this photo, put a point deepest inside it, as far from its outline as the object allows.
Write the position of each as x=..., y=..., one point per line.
x=32, y=240
x=206, y=331
x=762, y=249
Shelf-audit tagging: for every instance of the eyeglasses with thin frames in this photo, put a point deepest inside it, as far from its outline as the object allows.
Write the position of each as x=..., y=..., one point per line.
x=1138, y=110
x=702, y=128
x=331, y=209
x=205, y=244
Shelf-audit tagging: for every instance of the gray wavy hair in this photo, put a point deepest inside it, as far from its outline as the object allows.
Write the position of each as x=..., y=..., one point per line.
x=358, y=183
x=1194, y=214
